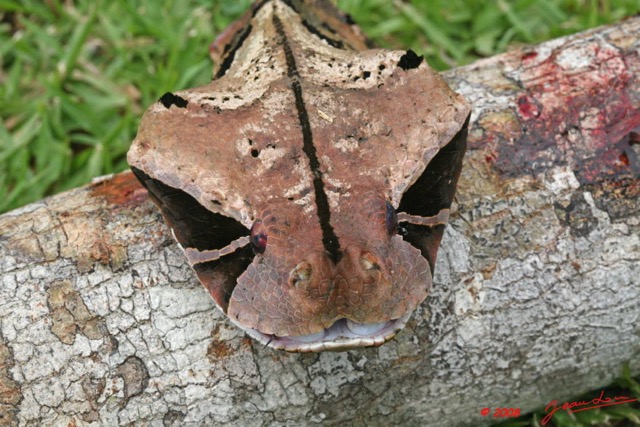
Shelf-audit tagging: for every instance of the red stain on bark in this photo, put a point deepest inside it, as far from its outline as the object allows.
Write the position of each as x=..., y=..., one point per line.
x=579, y=106
x=528, y=108
x=122, y=189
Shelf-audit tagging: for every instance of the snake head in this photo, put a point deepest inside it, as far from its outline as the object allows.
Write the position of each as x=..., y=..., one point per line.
x=297, y=296
x=308, y=182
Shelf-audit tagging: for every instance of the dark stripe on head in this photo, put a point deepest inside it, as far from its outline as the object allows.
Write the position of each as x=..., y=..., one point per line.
x=230, y=51
x=313, y=30
x=329, y=238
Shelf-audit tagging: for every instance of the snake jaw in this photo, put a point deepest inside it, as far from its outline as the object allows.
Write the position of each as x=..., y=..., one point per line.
x=344, y=334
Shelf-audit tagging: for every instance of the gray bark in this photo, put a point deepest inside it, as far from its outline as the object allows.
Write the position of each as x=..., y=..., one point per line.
x=535, y=294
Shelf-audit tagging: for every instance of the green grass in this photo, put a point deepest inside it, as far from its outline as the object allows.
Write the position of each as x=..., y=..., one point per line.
x=456, y=32
x=75, y=77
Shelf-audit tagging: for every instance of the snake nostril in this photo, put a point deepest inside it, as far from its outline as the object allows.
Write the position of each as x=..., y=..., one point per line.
x=369, y=262
x=300, y=273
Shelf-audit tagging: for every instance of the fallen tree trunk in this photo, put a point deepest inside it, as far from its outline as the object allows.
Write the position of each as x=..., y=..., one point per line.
x=535, y=295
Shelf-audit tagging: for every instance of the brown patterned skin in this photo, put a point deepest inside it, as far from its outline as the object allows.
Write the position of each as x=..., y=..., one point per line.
x=393, y=277
x=312, y=141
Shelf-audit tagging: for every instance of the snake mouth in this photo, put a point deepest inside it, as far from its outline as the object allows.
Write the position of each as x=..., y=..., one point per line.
x=344, y=334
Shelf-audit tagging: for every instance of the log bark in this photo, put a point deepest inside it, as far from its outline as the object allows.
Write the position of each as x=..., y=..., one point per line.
x=535, y=294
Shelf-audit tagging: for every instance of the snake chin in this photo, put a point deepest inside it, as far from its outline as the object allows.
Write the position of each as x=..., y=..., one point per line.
x=343, y=335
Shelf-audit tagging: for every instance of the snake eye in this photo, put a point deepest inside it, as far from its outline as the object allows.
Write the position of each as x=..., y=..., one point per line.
x=391, y=220
x=258, y=237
